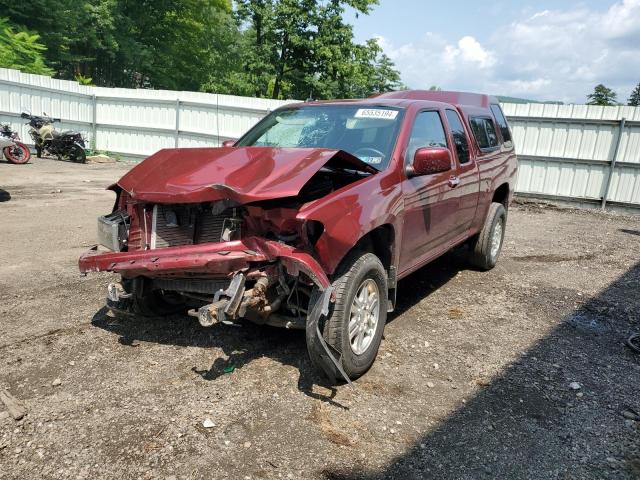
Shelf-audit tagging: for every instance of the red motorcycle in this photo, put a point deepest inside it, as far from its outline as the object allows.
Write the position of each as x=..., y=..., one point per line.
x=13, y=150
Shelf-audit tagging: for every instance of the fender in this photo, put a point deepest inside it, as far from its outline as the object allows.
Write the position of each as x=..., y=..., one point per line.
x=350, y=213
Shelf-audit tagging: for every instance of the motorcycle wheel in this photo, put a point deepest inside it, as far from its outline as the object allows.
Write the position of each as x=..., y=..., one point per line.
x=77, y=154
x=17, y=154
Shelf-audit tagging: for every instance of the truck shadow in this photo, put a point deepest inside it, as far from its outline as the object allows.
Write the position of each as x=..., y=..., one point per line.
x=4, y=195
x=529, y=423
x=242, y=345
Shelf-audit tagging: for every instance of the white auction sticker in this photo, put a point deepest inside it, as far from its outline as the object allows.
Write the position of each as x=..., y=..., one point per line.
x=377, y=113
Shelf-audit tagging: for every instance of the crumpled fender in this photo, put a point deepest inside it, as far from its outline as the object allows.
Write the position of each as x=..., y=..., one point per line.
x=209, y=258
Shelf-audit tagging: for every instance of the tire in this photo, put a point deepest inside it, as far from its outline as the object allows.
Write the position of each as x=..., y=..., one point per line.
x=38, y=152
x=359, y=273
x=77, y=154
x=18, y=154
x=486, y=246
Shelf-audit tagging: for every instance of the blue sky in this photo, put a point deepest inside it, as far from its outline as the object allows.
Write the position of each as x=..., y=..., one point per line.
x=545, y=50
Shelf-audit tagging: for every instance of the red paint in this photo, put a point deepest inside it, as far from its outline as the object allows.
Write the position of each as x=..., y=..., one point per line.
x=426, y=215
x=246, y=174
x=215, y=259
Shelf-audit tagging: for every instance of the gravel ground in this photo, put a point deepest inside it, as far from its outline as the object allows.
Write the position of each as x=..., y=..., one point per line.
x=520, y=372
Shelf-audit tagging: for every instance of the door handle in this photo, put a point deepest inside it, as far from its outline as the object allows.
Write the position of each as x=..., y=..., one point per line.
x=454, y=182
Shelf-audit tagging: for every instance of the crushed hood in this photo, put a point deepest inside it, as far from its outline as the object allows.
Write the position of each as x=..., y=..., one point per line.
x=243, y=174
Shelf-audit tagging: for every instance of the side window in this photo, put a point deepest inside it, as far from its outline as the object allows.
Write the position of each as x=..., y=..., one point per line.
x=427, y=131
x=459, y=136
x=502, y=122
x=485, y=132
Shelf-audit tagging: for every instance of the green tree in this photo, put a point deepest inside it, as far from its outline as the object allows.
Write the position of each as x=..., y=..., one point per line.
x=602, y=96
x=634, y=99
x=297, y=48
x=56, y=21
x=131, y=43
x=21, y=50
x=266, y=48
x=173, y=44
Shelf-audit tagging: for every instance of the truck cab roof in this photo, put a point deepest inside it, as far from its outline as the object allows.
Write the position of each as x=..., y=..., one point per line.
x=466, y=101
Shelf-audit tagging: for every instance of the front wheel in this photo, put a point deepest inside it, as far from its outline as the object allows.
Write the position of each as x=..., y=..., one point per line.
x=18, y=153
x=77, y=154
x=356, y=320
x=486, y=246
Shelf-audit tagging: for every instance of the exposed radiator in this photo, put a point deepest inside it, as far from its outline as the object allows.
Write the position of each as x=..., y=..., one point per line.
x=194, y=285
x=174, y=226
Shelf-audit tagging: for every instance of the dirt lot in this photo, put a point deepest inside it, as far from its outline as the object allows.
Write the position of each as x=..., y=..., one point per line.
x=473, y=379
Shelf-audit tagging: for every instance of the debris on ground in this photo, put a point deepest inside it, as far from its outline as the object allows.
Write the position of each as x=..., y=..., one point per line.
x=208, y=423
x=101, y=158
x=14, y=406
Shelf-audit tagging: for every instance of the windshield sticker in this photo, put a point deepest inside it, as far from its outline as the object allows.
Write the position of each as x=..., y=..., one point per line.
x=372, y=160
x=377, y=113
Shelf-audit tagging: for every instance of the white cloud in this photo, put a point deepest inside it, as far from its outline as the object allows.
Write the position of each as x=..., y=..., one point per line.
x=552, y=54
x=472, y=51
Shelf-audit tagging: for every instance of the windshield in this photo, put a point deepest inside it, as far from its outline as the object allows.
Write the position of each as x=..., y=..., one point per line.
x=368, y=133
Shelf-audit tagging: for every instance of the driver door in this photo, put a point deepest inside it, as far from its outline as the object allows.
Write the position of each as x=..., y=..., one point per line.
x=429, y=200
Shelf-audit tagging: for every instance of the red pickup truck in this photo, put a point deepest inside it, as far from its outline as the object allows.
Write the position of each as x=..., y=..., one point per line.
x=310, y=219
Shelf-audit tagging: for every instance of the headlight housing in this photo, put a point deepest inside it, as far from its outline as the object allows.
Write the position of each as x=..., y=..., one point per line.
x=113, y=230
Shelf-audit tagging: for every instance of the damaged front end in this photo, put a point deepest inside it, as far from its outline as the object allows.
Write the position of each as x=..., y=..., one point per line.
x=204, y=264
x=216, y=233
x=219, y=228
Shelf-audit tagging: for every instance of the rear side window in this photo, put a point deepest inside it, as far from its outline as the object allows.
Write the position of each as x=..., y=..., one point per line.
x=502, y=122
x=459, y=136
x=485, y=132
x=427, y=131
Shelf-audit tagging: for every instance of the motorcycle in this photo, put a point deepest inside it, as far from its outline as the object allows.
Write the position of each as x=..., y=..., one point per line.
x=67, y=144
x=14, y=150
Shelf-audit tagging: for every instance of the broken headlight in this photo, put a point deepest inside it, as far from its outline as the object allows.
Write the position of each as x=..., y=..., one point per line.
x=113, y=230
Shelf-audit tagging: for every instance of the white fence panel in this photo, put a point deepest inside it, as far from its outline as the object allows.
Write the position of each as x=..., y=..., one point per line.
x=577, y=152
x=568, y=152
x=130, y=122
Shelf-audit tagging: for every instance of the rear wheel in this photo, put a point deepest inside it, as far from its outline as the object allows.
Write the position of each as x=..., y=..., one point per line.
x=356, y=320
x=17, y=154
x=77, y=154
x=486, y=246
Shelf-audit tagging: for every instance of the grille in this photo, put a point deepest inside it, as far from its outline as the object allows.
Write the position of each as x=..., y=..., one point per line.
x=178, y=225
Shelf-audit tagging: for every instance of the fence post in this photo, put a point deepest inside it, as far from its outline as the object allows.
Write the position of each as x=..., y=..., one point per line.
x=612, y=165
x=177, y=132
x=94, y=123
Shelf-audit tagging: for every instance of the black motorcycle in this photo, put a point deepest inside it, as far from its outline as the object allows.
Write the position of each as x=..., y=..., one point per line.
x=67, y=144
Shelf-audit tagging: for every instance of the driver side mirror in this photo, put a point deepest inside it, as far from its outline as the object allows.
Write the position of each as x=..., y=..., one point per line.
x=427, y=161
x=228, y=143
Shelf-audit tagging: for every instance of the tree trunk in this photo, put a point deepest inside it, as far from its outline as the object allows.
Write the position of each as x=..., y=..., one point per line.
x=281, y=65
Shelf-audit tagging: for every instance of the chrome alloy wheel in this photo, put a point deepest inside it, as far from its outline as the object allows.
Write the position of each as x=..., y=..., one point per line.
x=364, y=316
x=496, y=238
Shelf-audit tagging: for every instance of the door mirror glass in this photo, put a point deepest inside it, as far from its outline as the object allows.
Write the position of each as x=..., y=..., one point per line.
x=427, y=161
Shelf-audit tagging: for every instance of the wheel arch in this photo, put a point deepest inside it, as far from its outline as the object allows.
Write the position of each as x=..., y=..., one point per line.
x=502, y=195
x=380, y=241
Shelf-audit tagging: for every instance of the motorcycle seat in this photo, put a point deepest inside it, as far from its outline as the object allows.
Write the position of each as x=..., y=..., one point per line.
x=57, y=134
